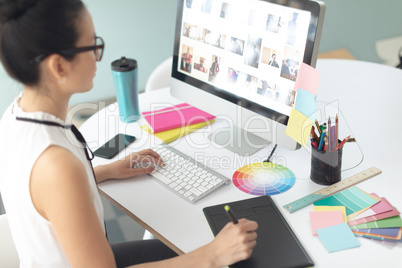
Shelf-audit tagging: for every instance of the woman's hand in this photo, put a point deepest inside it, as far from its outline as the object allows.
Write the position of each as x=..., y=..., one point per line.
x=235, y=242
x=127, y=167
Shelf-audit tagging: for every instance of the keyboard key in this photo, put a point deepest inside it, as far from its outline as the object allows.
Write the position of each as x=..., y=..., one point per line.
x=177, y=188
x=214, y=182
x=184, y=176
x=196, y=191
x=162, y=178
x=202, y=189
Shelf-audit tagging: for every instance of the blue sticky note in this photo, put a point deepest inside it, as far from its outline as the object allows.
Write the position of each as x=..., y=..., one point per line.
x=305, y=103
x=338, y=237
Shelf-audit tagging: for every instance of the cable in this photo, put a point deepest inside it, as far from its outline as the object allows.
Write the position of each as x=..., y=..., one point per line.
x=270, y=155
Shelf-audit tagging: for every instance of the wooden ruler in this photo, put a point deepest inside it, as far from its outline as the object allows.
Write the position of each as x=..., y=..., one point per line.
x=332, y=189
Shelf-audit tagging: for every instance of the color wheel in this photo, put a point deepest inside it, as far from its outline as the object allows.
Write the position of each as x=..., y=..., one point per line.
x=263, y=179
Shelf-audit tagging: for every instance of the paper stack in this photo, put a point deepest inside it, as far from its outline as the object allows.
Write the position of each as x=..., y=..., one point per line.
x=339, y=218
x=173, y=122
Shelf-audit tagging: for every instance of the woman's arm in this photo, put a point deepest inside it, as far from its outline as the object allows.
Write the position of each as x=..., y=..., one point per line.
x=60, y=193
x=233, y=243
x=123, y=169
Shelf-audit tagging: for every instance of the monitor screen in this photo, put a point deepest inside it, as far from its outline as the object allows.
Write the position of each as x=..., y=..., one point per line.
x=247, y=52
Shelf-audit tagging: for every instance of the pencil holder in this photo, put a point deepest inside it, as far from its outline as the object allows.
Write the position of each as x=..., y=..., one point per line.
x=326, y=166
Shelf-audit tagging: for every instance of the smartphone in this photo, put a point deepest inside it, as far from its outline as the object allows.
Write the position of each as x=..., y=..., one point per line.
x=114, y=146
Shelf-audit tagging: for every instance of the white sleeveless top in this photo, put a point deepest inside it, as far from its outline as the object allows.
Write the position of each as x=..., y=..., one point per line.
x=21, y=143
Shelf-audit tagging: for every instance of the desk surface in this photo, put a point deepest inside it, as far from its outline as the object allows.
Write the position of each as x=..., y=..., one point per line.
x=369, y=98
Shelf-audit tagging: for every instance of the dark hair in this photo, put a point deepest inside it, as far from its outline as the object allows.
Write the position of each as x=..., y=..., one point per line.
x=30, y=28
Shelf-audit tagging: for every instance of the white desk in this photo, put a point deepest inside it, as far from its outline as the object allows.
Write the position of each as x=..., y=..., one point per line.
x=369, y=97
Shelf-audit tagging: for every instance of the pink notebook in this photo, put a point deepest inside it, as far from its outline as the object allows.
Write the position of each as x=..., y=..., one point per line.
x=176, y=116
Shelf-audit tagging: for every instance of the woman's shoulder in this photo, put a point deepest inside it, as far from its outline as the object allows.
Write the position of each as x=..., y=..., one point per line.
x=57, y=162
x=57, y=177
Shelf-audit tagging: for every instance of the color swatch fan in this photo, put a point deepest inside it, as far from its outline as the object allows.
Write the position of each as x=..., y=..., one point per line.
x=263, y=178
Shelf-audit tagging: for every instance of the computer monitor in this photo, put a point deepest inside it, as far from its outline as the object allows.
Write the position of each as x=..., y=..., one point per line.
x=239, y=59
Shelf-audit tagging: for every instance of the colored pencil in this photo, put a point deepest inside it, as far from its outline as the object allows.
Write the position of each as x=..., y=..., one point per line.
x=318, y=127
x=315, y=137
x=336, y=131
x=321, y=145
x=343, y=142
x=329, y=134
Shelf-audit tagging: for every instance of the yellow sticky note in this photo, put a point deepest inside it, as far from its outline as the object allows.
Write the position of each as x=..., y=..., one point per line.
x=332, y=208
x=299, y=127
x=173, y=134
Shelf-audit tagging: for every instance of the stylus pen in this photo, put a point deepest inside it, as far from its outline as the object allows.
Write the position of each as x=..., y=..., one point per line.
x=230, y=215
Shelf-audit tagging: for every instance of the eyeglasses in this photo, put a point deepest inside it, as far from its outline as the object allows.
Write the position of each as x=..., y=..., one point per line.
x=97, y=48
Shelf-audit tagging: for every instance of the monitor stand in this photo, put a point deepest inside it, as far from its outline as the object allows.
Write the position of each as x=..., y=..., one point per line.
x=238, y=140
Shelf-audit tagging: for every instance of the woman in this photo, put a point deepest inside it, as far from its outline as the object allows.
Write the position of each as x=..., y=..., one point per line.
x=47, y=183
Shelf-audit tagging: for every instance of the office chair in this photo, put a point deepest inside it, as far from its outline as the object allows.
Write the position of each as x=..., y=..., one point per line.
x=160, y=77
x=8, y=252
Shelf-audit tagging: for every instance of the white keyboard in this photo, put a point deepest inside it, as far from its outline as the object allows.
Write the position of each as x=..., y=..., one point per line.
x=184, y=176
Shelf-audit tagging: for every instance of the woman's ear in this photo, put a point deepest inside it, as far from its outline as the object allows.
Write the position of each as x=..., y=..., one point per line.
x=58, y=68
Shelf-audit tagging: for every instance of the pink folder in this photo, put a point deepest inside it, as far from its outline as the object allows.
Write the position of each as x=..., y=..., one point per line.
x=176, y=116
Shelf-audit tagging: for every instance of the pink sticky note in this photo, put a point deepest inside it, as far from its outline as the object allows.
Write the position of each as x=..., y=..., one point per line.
x=307, y=79
x=323, y=219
